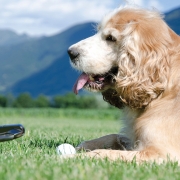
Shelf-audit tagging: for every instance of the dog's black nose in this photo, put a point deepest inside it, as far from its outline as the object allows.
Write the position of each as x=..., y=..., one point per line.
x=73, y=53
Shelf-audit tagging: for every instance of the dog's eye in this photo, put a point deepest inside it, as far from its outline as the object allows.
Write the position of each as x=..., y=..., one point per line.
x=110, y=38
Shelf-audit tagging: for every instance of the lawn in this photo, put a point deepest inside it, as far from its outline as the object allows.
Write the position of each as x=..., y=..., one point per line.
x=34, y=157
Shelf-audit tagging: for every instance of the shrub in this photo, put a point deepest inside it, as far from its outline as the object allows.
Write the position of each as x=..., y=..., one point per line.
x=24, y=100
x=41, y=101
x=3, y=101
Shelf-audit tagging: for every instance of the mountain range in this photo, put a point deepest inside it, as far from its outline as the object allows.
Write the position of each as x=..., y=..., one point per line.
x=41, y=65
x=46, y=64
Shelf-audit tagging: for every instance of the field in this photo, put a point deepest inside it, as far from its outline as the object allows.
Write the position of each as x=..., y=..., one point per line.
x=34, y=157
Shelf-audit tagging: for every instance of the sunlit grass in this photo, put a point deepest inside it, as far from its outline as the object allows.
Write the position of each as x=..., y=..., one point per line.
x=107, y=114
x=34, y=157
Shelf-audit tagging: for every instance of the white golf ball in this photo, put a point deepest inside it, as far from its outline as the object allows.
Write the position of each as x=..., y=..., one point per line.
x=65, y=149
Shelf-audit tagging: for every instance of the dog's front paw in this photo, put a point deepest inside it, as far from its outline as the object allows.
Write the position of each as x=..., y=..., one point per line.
x=96, y=154
x=86, y=146
x=91, y=154
x=103, y=154
x=111, y=141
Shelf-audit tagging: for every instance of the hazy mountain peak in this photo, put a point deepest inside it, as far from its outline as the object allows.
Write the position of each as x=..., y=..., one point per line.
x=9, y=37
x=42, y=66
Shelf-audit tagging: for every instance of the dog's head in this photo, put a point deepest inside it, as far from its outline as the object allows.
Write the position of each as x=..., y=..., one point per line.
x=128, y=56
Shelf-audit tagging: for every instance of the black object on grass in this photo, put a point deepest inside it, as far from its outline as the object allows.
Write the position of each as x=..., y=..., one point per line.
x=11, y=131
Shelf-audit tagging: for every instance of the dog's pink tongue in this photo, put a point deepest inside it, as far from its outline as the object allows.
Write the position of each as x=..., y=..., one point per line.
x=81, y=81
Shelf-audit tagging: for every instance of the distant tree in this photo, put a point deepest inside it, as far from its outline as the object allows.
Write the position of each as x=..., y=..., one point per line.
x=56, y=102
x=3, y=101
x=66, y=101
x=69, y=100
x=72, y=101
x=10, y=100
x=42, y=101
x=24, y=100
x=88, y=102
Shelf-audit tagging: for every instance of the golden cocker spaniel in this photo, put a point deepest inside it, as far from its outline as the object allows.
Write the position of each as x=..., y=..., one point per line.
x=134, y=61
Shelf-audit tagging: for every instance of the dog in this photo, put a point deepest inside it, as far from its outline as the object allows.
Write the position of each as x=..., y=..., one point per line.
x=134, y=61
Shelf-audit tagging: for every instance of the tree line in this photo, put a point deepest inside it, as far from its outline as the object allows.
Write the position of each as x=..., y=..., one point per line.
x=70, y=100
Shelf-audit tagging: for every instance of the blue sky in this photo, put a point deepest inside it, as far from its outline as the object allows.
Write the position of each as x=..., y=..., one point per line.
x=47, y=17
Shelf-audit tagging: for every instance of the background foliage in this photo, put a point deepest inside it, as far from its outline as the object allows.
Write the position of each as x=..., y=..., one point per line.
x=25, y=100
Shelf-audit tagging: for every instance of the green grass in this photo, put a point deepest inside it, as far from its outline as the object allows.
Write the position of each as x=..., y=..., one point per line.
x=34, y=157
x=107, y=114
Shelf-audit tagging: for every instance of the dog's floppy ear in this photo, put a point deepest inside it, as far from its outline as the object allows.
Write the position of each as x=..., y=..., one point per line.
x=143, y=62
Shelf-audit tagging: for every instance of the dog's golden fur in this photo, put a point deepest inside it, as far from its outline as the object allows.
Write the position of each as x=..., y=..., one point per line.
x=147, y=85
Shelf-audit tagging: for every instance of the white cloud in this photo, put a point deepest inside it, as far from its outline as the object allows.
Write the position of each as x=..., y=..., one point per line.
x=148, y=4
x=138, y=2
x=50, y=16
x=45, y=16
x=155, y=4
